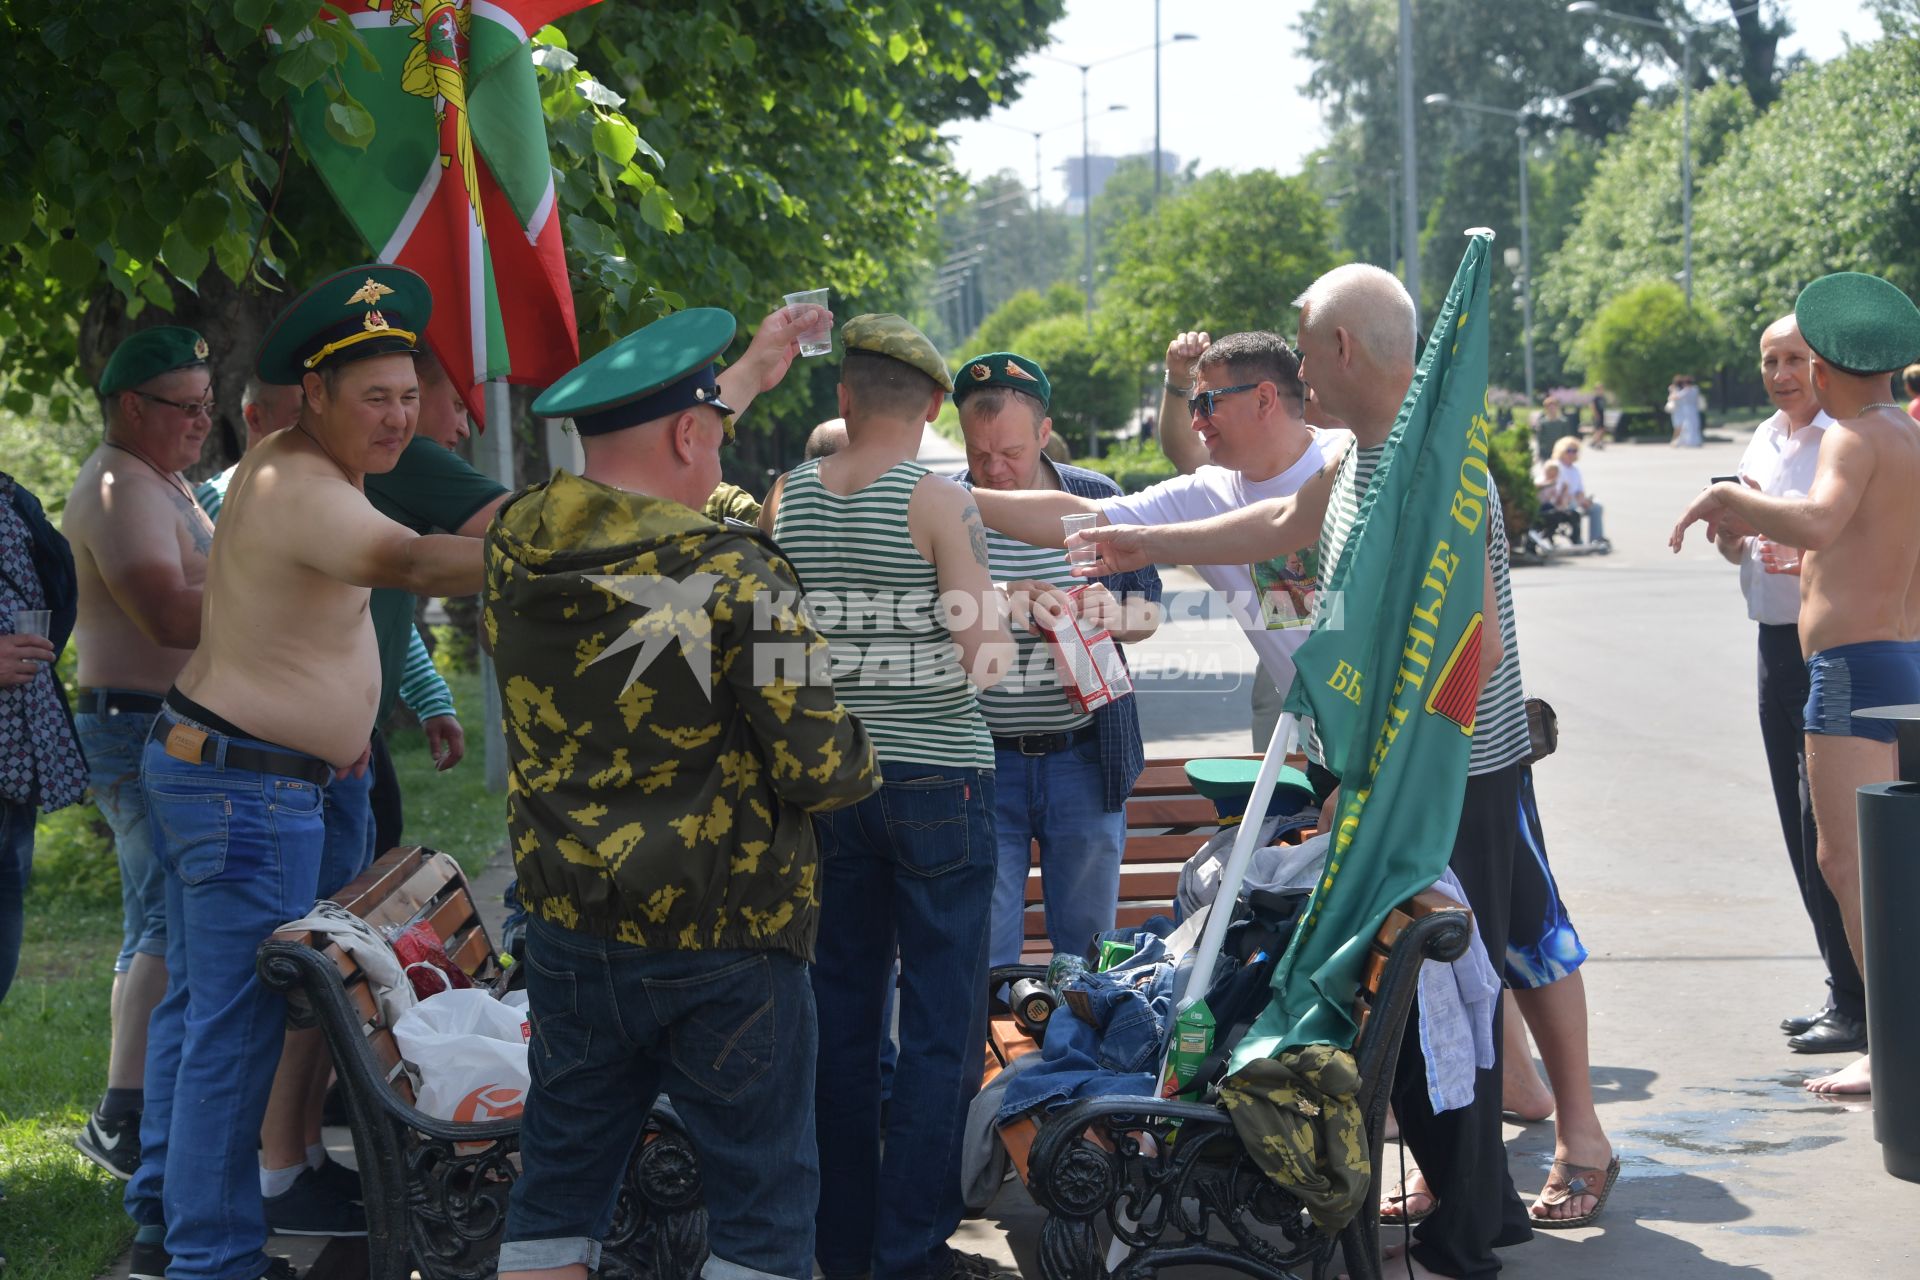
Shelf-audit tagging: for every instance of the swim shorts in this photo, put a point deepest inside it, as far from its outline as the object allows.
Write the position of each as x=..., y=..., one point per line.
x=1851, y=677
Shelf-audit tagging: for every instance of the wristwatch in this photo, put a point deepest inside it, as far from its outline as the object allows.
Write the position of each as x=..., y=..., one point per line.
x=1168, y=383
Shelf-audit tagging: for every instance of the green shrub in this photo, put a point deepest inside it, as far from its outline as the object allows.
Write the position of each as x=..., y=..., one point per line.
x=454, y=649
x=1133, y=466
x=1646, y=335
x=1511, y=460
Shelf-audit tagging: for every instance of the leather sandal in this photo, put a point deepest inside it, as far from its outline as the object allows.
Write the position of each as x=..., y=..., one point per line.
x=1393, y=1206
x=1597, y=1183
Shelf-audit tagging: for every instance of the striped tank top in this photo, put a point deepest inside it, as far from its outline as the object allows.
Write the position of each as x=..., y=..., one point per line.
x=876, y=599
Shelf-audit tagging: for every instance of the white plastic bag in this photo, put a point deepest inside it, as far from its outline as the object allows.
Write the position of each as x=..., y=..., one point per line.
x=468, y=1055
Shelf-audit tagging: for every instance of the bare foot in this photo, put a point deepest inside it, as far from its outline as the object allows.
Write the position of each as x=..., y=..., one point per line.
x=1854, y=1078
x=1402, y=1266
x=1523, y=1094
x=1412, y=1200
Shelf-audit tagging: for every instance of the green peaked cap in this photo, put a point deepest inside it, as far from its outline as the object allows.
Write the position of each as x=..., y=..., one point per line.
x=149, y=353
x=1003, y=369
x=652, y=372
x=375, y=309
x=1859, y=324
x=1228, y=782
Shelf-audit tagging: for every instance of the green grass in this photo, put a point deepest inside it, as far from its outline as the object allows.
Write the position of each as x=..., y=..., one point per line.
x=62, y=1219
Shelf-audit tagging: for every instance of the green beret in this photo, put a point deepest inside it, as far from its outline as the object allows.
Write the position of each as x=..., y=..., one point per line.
x=889, y=335
x=1859, y=324
x=370, y=310
x=1228, y=782
x=148, y=354
x=1003, y=369
x=652, y=372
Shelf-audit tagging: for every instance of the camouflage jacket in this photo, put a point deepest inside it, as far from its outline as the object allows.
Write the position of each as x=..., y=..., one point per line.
x=1298, y=1116
x=665, y=742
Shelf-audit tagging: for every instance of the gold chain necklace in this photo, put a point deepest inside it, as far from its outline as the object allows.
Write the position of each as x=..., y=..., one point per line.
x=170, y=477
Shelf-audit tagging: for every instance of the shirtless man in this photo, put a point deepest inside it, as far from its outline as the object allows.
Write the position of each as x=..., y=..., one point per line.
x=140, y=548
x=1858, y=530
x=279, y=697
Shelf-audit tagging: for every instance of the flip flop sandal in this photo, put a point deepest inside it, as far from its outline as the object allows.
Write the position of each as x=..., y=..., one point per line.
x=1395, y=1212
x=1597, y=1183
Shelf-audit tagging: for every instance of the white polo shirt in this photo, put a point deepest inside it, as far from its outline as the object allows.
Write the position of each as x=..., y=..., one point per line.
x=1782, y=464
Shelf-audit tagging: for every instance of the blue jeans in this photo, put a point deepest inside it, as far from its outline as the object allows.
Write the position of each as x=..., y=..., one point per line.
x=913, y=862
x=349, y=847
x=729, y=1035
x=112, y=745
x=16, y=864
x=242, y=852
x=1056, y=799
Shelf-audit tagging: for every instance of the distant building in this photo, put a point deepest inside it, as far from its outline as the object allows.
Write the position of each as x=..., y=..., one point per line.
x=1098, y=169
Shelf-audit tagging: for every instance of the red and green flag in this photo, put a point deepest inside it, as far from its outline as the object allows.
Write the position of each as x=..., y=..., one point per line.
x=457, y=183
x=1391, y=685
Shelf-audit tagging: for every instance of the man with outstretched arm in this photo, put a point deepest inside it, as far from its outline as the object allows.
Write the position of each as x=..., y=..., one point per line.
x=1858, y=529
x=278, y=698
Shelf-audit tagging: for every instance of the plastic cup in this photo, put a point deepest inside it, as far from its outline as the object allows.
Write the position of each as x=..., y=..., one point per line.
x=1074, y=524
x=817, y=341
x=32, y=622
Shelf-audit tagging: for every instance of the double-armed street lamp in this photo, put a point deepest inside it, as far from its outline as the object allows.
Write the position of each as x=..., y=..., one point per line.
x=1520, y=119
x=1686, y=31
x=1037, y=134
x=1086, y=161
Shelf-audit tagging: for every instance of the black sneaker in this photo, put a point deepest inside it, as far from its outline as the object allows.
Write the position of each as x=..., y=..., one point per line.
x=280, y=1269
x=114, y=1145
x=972, y=1266
x=149, y=1261
x=340, y=1181
x=313, y=1207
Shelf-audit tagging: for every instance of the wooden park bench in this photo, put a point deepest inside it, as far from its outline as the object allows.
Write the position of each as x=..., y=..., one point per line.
x=1172, y=1178
x=436, y=1190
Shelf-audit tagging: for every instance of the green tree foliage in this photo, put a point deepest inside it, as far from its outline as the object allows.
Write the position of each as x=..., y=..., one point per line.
x=1825, y=181
x=1642, y=338
x=1628, y=226
x=1090, y=399
x=1230, y=252
x=718, y=152
x=992, y=242
x=1001, y=330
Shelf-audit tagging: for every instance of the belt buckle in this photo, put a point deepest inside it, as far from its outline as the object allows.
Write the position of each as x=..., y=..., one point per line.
x=1046, y=740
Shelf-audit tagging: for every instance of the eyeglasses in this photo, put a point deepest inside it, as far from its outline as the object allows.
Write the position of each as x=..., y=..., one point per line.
x=1201, y=405
x=193, y=409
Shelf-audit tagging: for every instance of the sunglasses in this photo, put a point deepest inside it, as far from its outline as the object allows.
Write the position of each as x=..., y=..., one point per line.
x=1201, y=405
x=192, y=408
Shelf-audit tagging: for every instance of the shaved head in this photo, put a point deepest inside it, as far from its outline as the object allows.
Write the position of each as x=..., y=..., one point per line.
x=1367, y=302
x=1357, y=337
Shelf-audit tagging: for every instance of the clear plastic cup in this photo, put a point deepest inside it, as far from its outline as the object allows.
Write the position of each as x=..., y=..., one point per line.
x=817, y=341
x=1074, y=524
x=32, y=622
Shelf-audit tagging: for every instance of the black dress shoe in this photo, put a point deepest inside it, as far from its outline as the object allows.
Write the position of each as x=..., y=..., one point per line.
x=1834, y=1033
x=1801, y=1023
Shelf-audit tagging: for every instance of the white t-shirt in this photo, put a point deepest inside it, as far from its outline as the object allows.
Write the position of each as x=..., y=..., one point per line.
x=1272, y=601
x=1781, y=464
x=1572, y=483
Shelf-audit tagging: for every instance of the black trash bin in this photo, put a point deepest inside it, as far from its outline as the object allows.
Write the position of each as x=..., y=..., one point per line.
x=1890, y=890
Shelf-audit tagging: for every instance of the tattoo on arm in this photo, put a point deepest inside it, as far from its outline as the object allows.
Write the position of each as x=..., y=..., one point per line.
x=976, y=533
x=197, y=523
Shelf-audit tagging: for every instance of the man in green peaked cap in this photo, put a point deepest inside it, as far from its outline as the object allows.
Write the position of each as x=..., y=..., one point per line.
x=671, y=725
x=274, y=705
x=140, y=546
x=1858, y=531
x=895, y=563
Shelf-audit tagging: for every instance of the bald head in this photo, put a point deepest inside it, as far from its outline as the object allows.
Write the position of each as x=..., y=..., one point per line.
x=829, y=437
x=1358, y=334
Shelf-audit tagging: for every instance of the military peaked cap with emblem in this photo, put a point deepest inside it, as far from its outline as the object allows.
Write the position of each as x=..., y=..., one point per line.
x=1859, y=324
x=1003, y=369
x=885, y=334
x=1228, y=782
x=651, y=373
x=372, y=310
x=148, y=354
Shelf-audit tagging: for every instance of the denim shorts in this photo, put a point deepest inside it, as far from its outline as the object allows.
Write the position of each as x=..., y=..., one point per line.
x=112, y=744
x=728, y=1035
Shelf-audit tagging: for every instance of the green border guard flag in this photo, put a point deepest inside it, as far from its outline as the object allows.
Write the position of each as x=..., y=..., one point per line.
x=456, y=182
x=1391, y=679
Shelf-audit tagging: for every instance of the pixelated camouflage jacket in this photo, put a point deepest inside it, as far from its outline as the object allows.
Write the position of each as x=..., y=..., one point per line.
x=1298, y=1116
x=664, y=742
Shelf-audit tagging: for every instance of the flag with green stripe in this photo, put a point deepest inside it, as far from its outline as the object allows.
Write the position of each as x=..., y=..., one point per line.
x=1391, y=674
x=456, y=182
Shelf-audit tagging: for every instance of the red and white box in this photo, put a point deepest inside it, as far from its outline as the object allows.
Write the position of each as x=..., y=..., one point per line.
x=1091, y=669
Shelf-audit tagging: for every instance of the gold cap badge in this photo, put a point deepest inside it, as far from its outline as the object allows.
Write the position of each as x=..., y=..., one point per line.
x=1015, y=371
x=370, y=293
x=200, y=349
x=979, y=372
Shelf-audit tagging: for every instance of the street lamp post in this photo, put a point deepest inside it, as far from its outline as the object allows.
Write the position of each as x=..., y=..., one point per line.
x=1686, y=32
x=1408, y=143
x=1526, y=247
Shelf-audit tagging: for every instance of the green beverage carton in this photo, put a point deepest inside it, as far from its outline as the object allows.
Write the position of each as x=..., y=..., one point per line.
x=1192, y=1042
x=1113, y=953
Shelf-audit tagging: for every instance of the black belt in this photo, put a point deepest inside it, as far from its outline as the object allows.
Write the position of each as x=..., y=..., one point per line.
x=1043, y=744
x=288, y=764
x=115, y=702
